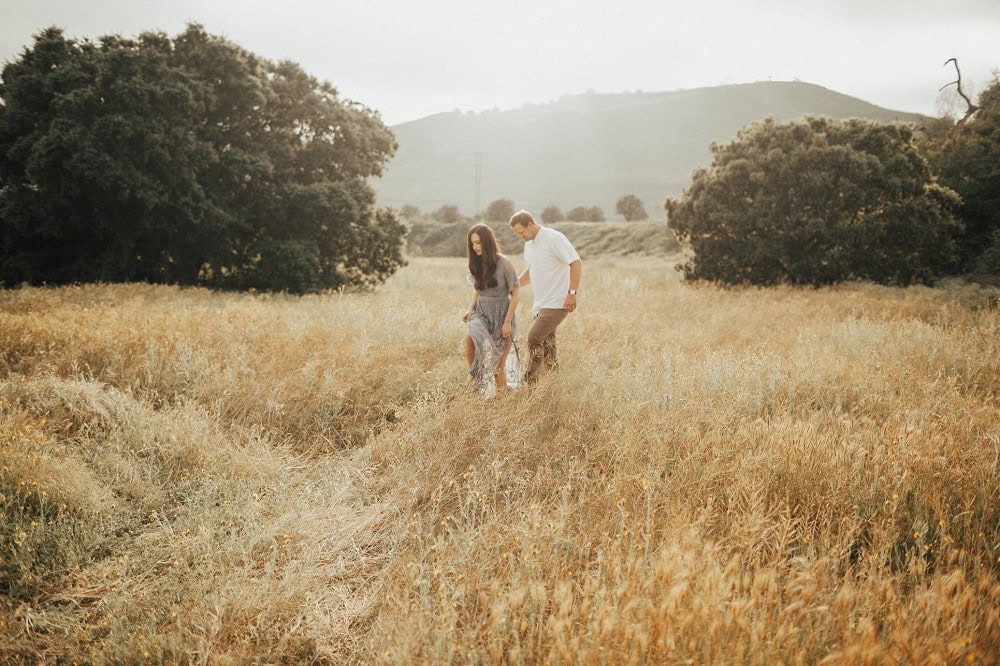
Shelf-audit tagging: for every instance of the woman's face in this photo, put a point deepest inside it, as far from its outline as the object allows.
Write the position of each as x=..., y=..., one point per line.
x=477, y=245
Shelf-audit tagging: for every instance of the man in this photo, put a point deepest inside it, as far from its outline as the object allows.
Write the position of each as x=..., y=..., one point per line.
x=553, y=271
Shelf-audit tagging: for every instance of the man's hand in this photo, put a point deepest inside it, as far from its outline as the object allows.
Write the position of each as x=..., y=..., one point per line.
x=570, y=303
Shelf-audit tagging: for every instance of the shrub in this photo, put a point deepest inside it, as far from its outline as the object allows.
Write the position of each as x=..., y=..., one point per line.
x=499, y=211
x=585, y=214
x=630, y=207
x=817, y=201
x=409, y=212
x=448, y=214
x=966, y=158
x=551, y=214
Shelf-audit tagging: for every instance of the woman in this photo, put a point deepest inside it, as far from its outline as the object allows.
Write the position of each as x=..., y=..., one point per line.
x=492, y=325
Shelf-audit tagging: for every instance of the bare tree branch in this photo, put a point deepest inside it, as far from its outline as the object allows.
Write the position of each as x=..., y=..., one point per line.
x=970, y=107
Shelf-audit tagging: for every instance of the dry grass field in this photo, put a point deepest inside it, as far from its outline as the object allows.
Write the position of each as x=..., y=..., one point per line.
x=751, y=476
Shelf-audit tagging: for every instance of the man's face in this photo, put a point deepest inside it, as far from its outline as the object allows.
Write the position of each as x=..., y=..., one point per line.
x=525, y=233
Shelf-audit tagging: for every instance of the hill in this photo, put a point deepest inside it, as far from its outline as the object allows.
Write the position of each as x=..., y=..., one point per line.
x=592, y=239
x=590, y=149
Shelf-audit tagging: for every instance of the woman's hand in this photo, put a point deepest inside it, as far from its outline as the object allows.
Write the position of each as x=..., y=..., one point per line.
x=505, y=330
x=466, y=316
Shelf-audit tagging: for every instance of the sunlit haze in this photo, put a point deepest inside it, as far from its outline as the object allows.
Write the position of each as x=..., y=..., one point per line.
x=411, y=59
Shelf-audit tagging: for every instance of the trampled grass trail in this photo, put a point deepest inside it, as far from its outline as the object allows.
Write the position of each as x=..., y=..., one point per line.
x=712, y=476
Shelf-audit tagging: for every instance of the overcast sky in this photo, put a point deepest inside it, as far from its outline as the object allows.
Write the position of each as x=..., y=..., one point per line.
x=412, y=58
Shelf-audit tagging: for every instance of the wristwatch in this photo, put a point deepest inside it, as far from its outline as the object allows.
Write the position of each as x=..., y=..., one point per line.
x=572, y=292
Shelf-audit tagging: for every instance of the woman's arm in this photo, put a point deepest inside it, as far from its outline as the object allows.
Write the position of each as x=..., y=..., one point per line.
x=507, y=328
x=472, y=308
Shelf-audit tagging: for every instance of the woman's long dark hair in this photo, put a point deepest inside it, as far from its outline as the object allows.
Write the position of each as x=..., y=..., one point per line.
x=483, y=268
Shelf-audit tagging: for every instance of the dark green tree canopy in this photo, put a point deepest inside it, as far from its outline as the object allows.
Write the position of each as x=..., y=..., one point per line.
x=966, y=158
x=190, y=161
x=630, y=207
x=816, y=201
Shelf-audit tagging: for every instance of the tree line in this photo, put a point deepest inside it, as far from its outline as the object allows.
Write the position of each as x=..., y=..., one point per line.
x=189, y=160
x=819, y=200
x=629, y=207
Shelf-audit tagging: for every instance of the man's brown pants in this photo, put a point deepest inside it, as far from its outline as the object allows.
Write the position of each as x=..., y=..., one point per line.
x=542, y=342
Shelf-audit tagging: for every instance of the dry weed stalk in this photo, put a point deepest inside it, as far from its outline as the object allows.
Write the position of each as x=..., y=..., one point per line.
x=712, y=476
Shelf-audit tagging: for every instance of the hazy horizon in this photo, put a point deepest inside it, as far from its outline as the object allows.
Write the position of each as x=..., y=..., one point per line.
x=407, y=61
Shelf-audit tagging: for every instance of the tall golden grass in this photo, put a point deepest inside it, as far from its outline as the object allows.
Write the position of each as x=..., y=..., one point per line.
x=712, y=476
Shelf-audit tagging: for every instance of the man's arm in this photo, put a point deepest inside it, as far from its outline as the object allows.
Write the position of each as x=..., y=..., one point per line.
x=575, y=273
x=525, y=278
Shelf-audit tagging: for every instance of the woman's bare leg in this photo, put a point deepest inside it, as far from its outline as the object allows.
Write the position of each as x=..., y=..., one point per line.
x=470, y=351
x=501, y=374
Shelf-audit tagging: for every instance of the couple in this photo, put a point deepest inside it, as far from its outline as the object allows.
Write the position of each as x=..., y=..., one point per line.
x=553, y=270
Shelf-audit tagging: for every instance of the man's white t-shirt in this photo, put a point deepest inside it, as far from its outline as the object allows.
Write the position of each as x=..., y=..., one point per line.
x=548, y=257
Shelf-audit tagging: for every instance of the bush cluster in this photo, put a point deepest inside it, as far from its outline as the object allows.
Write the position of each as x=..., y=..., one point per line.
x=817, y=201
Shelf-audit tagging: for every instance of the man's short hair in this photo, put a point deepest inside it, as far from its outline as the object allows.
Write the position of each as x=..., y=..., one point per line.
x=522, y=218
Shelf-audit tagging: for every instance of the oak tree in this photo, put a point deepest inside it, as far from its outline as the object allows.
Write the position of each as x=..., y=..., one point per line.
x=630, y=207
x=186, y=160
x=816, y=201
x=500, y=210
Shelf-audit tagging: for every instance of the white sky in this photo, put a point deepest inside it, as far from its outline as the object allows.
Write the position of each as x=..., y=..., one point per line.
x=412, y=58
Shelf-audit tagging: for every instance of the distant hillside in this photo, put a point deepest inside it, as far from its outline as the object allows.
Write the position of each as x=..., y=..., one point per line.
x=591, y=239
x=590, y=149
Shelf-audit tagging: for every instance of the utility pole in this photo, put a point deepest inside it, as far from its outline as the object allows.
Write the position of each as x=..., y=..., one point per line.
x=479, y=178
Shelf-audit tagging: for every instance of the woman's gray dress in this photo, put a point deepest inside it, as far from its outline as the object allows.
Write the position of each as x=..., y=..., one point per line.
x=487, y=320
